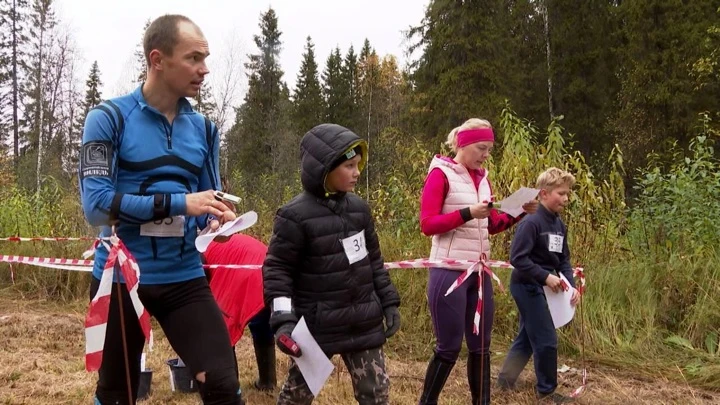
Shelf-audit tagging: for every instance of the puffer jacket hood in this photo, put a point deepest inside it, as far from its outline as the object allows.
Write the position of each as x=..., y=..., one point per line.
x=320, y=147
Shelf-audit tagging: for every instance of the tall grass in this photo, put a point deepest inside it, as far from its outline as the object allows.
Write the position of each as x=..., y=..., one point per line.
x=54, y=212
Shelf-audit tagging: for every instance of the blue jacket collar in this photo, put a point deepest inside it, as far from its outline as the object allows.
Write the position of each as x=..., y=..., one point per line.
x=184, y=106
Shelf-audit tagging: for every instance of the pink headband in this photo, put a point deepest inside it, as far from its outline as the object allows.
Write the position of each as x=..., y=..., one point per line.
x=468, y=136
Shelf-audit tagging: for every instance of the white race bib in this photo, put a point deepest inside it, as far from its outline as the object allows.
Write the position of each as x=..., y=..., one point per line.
x=164, y=228
x=555, y=243
x=355, y=247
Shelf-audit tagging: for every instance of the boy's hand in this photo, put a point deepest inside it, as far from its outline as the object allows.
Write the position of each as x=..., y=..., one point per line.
x=392, y=320
x=530, y=207
x=285, y=342
x=554, y=282
x=575, y=297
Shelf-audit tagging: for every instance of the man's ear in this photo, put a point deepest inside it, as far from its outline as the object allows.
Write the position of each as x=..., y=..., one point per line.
x=156, y=58
x=543, y=193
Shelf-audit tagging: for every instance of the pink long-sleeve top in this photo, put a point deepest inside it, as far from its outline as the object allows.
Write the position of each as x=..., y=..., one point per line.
x=433, y=222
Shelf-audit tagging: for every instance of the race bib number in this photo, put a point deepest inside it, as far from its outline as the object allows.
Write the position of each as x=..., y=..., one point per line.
x=355, y=249
x=164, y=228
x=555, y=243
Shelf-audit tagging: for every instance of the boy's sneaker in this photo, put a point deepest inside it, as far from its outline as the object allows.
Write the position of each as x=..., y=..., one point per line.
x=555, y=398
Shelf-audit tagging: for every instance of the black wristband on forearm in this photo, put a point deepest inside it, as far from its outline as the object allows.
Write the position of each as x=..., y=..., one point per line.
x=161, y=206
x=465, y=214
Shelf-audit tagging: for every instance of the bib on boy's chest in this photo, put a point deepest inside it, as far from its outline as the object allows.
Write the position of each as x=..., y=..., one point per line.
x=355, y=248
x=555, y=243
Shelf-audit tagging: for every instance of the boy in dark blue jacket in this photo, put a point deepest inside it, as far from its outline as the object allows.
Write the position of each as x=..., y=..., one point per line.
x=539, y=253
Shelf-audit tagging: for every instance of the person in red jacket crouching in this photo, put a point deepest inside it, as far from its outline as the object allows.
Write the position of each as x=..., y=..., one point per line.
x=239, y=293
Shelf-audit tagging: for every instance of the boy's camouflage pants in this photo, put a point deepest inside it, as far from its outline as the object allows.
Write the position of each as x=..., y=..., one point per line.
x=370, y=381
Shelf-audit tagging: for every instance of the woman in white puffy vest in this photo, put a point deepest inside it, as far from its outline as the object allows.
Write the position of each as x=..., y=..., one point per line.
x=455, y=211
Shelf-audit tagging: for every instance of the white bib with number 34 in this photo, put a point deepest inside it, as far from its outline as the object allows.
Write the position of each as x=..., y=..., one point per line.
x=164, y=228
x=555, y=243
x=355, y=249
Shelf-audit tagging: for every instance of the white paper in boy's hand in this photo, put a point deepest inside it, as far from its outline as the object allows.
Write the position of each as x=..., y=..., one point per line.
x=313, y=363
x=513, y=204
x=561, y=310
x=240, y=223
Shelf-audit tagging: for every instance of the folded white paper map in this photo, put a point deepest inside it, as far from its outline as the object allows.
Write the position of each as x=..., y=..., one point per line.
x=313, y=363
x=240, y=223
x=561, y=310
x=513, y=204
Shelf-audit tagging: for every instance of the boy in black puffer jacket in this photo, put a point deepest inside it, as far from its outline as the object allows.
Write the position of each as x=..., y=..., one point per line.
x=324, y=263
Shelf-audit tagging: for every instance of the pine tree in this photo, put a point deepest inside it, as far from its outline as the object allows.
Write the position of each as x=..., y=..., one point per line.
x=261, y=139
x=92, y=98
x=583, y=70
x=366, y=50
x=349, y=111
x=92, y=95
x=307, y=98
x=332, y=87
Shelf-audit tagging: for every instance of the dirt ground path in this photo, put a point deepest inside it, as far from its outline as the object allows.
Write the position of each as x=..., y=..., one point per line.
x=42, y=348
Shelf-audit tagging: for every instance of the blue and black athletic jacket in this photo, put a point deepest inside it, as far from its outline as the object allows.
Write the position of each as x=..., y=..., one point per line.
x=136, y=168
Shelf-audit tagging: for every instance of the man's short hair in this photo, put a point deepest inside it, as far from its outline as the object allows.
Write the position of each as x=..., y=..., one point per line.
x=162, y=34
x=554, y=177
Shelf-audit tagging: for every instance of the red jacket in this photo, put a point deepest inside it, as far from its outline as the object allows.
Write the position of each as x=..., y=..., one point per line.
x=239, y=292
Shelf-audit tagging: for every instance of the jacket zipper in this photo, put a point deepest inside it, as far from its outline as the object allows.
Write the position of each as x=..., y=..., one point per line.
x=168, y=134
x=480, y=230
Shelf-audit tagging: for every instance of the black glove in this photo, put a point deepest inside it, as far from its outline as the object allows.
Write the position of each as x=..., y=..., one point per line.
x=285, y=342
x=283, y=323
x=392, y=320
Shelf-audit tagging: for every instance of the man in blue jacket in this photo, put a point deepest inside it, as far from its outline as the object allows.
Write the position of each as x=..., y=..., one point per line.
x=148, y=166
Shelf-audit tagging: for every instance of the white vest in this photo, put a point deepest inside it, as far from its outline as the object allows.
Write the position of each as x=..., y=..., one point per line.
x=470, y=240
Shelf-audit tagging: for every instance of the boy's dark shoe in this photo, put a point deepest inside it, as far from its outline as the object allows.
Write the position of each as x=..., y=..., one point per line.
x=555, y=398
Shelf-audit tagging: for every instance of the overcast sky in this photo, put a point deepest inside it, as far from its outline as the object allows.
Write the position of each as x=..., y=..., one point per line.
x=108, y=31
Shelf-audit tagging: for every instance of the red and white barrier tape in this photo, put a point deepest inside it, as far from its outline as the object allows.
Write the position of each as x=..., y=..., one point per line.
x=579, y=390
x=86, y=265
x=44, y=239
x=478, y=267
x=45, y=261
x=97, y=316
x=403, y=264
